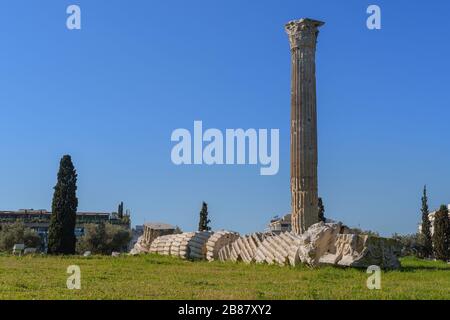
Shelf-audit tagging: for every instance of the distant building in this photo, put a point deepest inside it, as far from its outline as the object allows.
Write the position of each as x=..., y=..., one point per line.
x=431, y=216
x=279, y=225
x=39, y=220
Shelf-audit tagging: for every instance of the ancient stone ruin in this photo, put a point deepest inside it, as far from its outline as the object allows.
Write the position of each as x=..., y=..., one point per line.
x=311, y=242
x=322, y=244
x=151, y=232
x=243, y=248
x=189, y=245
x=304, y=195
x=217, y=242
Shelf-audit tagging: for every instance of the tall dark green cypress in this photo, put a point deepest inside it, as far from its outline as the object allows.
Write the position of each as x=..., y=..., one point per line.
x=426, y=226
x=120, y=210
x=61, y=233
x=203, y=224
x=441, y=235
x=321, y=209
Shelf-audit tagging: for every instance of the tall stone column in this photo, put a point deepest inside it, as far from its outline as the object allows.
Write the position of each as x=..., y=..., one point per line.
x=304, y=195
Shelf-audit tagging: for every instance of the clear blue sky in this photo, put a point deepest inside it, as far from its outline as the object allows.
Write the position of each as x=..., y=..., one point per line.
x=112, y=93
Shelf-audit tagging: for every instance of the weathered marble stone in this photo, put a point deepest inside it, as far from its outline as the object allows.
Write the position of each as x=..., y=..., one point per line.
x=217, y=241
x=196, y=245
x=141, y=246
x=161, y=244
x=87, y=254
x=134, y=252
x=317, y=241
x=322, y=243
x=363, y=251
x=278, y=249
x=188, y=245
x=244, y=248
x=304, y=191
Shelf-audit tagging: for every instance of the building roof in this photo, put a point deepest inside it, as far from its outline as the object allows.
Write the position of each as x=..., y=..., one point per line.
x=43, y=211
x=25, y=211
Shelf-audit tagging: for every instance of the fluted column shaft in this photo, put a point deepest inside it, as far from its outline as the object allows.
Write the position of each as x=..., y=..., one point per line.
x=304, y=187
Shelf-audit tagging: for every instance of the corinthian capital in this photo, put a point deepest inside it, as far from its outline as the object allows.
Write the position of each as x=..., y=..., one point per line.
x=303, y=32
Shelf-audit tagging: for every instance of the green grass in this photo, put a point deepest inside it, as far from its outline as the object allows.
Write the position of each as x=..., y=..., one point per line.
x=160, y=277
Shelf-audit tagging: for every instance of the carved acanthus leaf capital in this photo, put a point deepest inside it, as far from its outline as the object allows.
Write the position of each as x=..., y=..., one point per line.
x=303, y=32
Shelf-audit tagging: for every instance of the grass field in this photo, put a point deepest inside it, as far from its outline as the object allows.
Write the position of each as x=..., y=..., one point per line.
x=160, y=277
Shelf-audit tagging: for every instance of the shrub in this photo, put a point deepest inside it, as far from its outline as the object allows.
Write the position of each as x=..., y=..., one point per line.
x=363, y=232
x=178, y=230
x=411, y=244
x=103, y=239
x=17, y=233
x=441, y=235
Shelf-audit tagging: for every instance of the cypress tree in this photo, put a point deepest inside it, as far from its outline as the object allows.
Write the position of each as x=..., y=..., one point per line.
x=203, y=224
x=441, y=235
x=61, y=232
x=321, y=208
x=120, y=210
x=426, y=226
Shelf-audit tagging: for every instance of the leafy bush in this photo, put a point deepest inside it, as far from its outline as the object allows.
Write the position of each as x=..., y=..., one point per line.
x=412, y=245
x=104, y=238
x=441, y=236
x=17, y=233
x=178, y=230
x=363, y=232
